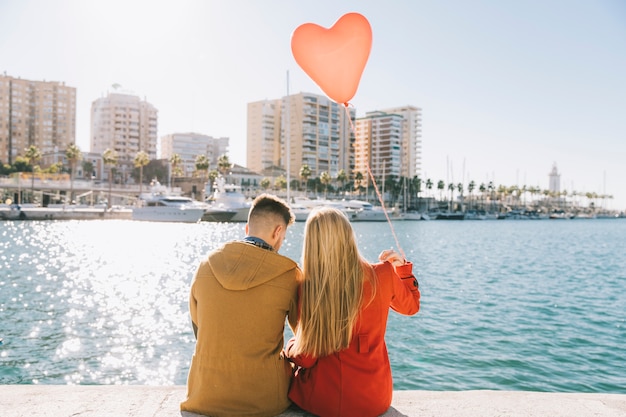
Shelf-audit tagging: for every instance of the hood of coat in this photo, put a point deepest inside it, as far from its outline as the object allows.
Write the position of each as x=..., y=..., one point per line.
x=239, y=266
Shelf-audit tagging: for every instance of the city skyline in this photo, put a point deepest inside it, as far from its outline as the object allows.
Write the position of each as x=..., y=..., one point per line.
x=506, y=90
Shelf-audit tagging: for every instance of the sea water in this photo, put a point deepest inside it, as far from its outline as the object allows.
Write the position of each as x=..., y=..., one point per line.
x=506, y=305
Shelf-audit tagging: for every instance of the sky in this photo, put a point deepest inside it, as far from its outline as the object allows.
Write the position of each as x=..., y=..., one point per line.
x=506, y=88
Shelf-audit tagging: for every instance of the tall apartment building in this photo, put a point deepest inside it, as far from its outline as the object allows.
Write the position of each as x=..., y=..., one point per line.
x=378, y=145
x=263, y=134
x=411, y=139
x=189, y=145
x=300, y=129
x=126, y=124
x=39, y=113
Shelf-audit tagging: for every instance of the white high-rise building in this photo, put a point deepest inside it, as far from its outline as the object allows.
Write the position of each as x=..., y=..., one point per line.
x=378, y=145
x=263, y=134
x=300, y=129
x=190, y=145
x=126, y=124
x=411, y=139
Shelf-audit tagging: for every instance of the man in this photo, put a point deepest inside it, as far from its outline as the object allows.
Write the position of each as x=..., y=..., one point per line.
x=240, y=297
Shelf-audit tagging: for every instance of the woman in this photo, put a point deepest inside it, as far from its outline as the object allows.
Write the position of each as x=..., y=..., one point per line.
x=339, y=352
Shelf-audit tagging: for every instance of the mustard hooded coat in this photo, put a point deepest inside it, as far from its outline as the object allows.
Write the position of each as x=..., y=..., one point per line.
x=240, y=298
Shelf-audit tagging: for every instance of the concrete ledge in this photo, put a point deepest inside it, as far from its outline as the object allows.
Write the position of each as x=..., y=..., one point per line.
x=159, y=401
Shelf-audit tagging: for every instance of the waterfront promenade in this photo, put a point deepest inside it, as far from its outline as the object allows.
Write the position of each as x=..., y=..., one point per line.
x=163, y=401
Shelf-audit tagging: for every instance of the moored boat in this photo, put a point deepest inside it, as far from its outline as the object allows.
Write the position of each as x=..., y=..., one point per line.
x=159, y=205
x=227, y=203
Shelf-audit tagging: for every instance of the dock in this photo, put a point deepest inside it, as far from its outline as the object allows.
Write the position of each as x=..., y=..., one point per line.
x=164, y=401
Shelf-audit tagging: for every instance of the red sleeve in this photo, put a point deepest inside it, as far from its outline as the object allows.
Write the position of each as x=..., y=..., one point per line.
x=406, y=294
x=305, y=361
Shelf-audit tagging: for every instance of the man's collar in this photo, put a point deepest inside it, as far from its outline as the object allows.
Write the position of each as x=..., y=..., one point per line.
x=256, y=241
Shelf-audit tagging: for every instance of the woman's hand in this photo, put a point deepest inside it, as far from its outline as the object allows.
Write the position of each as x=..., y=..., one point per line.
x=392, y=257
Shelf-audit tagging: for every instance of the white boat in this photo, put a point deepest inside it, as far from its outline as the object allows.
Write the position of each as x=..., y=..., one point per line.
x=159, y=205
x=362, y=211
x=62, y=212
x=300, y=211
x=227, y=203
x=410, y=215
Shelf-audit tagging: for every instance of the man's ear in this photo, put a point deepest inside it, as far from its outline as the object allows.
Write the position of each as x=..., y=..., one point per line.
x=246, y=229
x=277, y=230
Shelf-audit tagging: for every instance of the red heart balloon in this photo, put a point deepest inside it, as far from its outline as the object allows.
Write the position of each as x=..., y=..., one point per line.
x=334, y=58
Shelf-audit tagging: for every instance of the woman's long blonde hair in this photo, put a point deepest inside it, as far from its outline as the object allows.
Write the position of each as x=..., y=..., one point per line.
x=332, y=287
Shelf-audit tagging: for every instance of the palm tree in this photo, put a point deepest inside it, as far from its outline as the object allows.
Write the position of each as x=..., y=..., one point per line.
x=342, y=177
x=416, y=184
x=32, y=155
x=482, y=188
x=325, y=179
x=223, y=164
x=358, y=181
x=213, y=174
x=202, y=165
x=441, y=186
x=175, y=161
x=470, y=188
x=451, y=188
x=109, y=158
x=305, y=173
x=73, y=155
x=141, y=160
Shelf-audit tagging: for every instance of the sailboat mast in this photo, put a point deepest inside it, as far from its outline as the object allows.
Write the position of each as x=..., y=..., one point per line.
x=288, y=140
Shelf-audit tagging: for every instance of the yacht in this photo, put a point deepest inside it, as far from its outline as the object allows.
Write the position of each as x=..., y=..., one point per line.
x=227, y=203
x=159, y=205
x=362, y=211
x=300, y=211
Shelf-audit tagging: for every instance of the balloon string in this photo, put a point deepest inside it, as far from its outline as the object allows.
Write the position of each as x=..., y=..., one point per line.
x=380, y=198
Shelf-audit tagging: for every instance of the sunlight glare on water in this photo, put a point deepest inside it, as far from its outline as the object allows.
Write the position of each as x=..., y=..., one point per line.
x=117, y=290
x=506, y=305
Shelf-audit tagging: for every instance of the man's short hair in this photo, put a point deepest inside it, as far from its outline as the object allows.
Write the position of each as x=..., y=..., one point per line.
x=266, y=204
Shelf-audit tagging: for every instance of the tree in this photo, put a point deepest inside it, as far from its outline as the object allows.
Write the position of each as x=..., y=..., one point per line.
x=305, y=173
x=223, y=164
x=73, y=155
x=482, y=188
x=325, y=179
x=141, y=160
x=358, y=182
x=295, y=184
x=202, y=165
x=87, y=169
x=342, y=177
x=470, y=188
x=429, y=185
x=175, y=161
x=441, y=186
x=213, y=174
x=32, y=155
x=280, y=183
x=109, y=158
x=451, y=188
x=416, y=185
x=265, y=183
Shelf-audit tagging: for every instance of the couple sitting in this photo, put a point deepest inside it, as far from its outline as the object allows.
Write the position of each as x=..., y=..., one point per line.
x=337, y=307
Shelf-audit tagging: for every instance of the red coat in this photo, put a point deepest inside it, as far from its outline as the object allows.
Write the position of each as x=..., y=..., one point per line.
x=357, y=380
